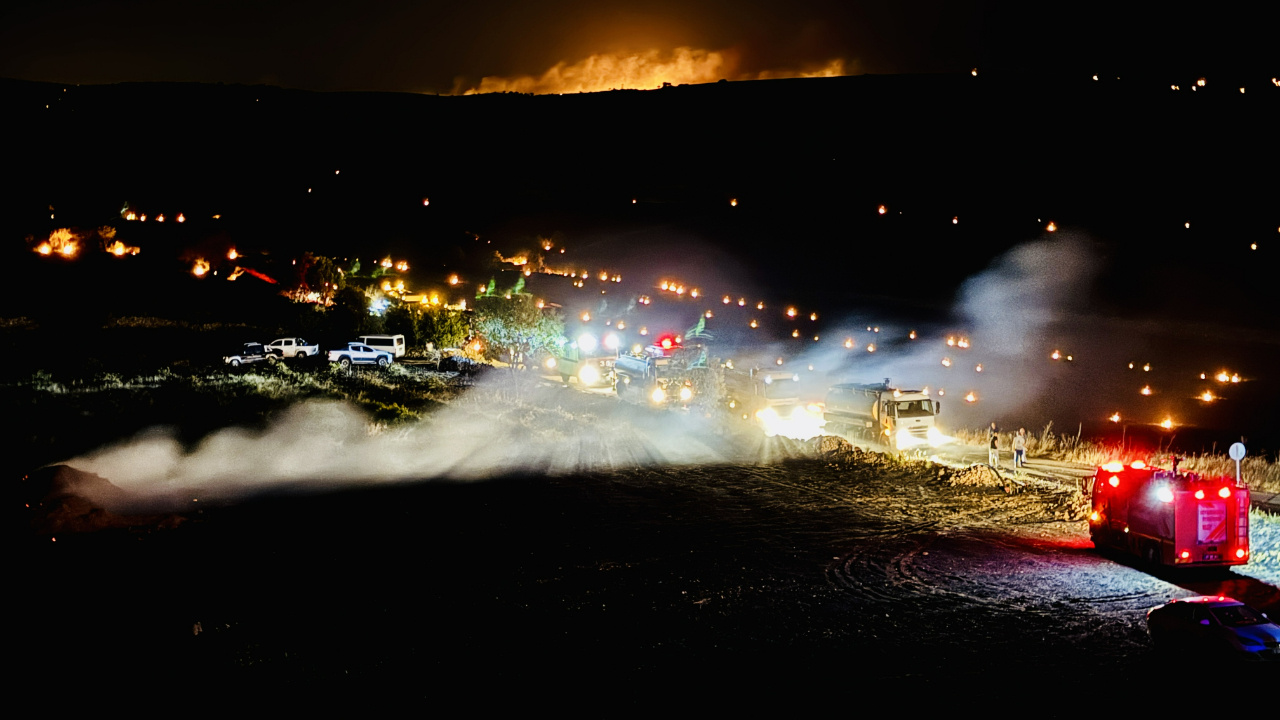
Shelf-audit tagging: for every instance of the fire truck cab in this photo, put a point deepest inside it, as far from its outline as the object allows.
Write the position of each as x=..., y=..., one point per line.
x=1170, y=518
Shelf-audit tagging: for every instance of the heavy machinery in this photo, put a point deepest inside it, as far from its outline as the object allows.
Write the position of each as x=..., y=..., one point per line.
x=904, y=420
x=1170, y=518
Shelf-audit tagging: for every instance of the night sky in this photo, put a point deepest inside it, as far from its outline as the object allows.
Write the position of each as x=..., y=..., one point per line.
x=443, y=47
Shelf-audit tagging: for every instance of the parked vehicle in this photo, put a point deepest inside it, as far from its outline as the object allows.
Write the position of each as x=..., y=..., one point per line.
x=393, y=344
x=1216, y=627
x=360, y=354
x=292, y=347
x=251, y=353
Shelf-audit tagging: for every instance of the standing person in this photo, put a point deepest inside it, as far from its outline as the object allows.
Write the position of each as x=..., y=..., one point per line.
x=993, y=446
x=1020, y=448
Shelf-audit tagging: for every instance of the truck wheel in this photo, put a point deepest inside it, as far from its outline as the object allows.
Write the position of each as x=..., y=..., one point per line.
x=1152, y=556
x=234, y=363
x=344, y=363
x=382, y=362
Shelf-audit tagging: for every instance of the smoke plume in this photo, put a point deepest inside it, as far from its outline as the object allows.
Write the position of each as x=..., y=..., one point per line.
x=507, y=426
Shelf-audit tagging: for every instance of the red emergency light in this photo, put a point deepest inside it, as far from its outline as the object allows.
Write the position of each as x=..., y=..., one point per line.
x=666, y=343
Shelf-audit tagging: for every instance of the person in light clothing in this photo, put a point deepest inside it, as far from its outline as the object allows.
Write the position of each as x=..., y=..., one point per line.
x=1020, y=448
x=993, y=446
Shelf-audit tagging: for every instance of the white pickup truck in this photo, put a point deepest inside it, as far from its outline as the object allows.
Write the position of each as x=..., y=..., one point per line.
x=360, y=354
x=293, y=347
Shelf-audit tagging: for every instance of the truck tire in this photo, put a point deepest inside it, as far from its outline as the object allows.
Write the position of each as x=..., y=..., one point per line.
x=235, y=363
x=344, y=362
x=382, y=362
x=1151, y=555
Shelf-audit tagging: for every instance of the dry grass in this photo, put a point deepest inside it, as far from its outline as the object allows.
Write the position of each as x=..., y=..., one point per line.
x=1258, y=472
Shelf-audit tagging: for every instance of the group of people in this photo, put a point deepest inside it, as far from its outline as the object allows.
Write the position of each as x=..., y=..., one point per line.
x=1019, y=447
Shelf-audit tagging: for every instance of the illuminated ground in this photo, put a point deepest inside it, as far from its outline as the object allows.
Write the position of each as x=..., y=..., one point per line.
x=800, y=571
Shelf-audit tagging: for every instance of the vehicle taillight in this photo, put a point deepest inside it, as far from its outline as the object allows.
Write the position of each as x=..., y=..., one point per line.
x=1113, y=466
x=1138, y=465
x=1093, y=517
x=1224, y=492
x=1240, y=552
x=1165, y=494
x=1114, y=481
x=1184, y=554
x=1199, y=494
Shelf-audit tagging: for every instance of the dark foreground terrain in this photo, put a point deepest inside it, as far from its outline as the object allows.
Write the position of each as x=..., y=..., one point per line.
x=841, y=572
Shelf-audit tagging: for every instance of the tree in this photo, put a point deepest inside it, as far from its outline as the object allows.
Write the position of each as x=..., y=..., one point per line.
x=404, y=319
x=515, y=324
x=349, y=315
x=443, y=327
x=322, y=275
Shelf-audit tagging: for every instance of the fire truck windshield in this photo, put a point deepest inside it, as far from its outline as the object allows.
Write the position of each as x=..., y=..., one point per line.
x=914, y=408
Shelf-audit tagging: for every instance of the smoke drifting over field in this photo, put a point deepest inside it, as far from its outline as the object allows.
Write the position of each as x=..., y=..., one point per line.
x=1014, y=314
x=507, y=426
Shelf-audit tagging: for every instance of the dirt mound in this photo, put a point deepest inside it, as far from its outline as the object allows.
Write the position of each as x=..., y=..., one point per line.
x=839, y=452
x=977, y=476
x=61, y=499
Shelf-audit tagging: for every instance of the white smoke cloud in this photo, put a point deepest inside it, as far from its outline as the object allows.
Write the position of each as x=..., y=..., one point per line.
x=1014, y=313
x=509, y=426
x=1023, y=293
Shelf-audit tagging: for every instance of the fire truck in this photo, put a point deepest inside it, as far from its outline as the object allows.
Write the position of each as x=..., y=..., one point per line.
x=1170, y=518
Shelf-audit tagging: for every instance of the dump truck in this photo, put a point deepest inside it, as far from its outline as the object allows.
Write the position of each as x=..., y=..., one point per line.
x=903, y=420
x=1168, y=518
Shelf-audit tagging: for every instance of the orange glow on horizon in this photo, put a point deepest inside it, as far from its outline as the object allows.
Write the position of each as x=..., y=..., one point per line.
x=645, y=70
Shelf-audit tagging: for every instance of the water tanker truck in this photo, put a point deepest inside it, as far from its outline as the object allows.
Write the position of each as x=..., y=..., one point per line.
x=649, y=376
x=903, y=420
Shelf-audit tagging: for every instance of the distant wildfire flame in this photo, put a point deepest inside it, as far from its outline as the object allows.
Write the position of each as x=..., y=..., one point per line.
x=119, y=249
x=641, y=71
x=61, y=242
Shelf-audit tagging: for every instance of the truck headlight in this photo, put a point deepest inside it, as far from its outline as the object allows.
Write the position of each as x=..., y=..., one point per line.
x=936, y=437
x=686, y=393
x=658, y=396
x=589, y=375
x=550, y=363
